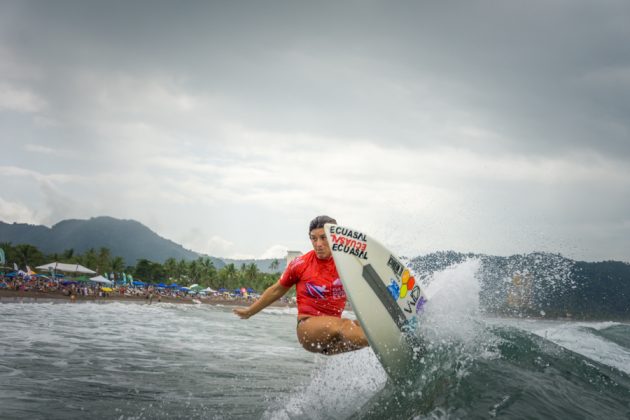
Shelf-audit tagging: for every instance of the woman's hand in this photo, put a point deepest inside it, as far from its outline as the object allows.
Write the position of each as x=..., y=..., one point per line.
x=243, y=313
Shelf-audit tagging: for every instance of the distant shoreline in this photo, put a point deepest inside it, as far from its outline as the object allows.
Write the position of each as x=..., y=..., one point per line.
x=7, y=296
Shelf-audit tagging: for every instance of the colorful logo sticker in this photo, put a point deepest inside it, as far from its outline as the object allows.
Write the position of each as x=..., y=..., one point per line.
x=420, y=304
x=394, y=289
x=408, y=282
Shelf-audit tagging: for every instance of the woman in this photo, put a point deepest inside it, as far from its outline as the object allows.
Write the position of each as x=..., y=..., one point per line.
x=320, y=298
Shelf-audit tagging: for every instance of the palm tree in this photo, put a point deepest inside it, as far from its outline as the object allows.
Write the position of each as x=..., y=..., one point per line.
x=104, y=263
x=68, y=255
x=118, y=264
x=208, y=271
x=89, y=259
x=26, y=254
x=229, y=273
x=182, y=269
x=195, y=271
x=251, y=273
x=170, y=267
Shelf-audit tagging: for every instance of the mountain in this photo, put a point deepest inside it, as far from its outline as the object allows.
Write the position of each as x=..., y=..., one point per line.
x=540, y=284
x=128, y=239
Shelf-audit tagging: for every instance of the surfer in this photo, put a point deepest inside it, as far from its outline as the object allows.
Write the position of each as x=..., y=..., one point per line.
x=320, y=298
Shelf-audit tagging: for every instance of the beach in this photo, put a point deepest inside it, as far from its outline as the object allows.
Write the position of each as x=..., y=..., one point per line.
x=7, y=295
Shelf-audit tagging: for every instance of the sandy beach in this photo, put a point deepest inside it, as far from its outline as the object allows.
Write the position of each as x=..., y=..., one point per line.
x=7, y=295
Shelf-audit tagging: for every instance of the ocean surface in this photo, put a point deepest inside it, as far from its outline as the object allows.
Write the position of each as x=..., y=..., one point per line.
x=137, y=361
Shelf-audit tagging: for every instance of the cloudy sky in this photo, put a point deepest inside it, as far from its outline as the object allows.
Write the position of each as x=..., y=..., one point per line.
x=495, y=127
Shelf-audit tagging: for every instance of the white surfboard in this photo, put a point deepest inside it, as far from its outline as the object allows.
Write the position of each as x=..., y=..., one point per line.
x=384, y=296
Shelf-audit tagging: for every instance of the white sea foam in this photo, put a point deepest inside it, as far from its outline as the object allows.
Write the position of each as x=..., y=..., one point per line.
x=338, y=387
x=575, y=336
x=451, y=314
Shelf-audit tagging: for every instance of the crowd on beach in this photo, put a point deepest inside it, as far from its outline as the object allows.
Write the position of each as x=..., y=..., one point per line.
x=44, y=287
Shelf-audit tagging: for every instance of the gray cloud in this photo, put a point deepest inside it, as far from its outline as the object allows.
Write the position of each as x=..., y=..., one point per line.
x=518, y=109
x=545, y=78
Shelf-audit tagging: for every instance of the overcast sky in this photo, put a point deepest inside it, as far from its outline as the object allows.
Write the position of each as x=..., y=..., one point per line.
x=499, y=127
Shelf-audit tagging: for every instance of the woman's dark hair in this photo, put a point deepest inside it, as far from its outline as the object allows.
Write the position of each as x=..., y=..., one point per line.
x=319, y=222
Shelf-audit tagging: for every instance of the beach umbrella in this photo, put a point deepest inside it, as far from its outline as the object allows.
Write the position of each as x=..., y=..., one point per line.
x=138, y=283
x=195, y=287
x=106, y=289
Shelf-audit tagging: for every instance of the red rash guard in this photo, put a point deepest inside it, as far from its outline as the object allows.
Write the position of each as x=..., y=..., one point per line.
x=318, y=287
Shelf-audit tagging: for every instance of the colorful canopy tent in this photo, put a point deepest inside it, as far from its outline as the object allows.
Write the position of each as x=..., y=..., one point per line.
x=68, y=268
x=100, y=279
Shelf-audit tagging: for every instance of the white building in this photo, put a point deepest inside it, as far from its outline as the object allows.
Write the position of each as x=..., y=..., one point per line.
x=291, y=255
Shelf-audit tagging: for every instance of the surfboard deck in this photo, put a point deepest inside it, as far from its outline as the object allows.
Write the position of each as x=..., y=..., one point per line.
x=384, y=296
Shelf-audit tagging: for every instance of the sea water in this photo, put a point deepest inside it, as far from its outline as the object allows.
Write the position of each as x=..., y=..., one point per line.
x=137, y=361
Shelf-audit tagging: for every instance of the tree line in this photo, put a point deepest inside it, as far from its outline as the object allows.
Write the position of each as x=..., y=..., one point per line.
x=201, y=271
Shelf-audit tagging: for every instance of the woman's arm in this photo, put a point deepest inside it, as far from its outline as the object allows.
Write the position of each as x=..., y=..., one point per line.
x=269, y=296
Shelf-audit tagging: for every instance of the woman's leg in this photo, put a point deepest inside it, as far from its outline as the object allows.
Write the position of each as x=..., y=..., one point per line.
x=331, y=335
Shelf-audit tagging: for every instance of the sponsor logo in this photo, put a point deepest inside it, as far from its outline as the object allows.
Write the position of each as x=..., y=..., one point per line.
x=337, y=289
x=396, y=266
x=315, y=291
x=349, y=242
x=415, y=302
x=408, y=283
x=408, y=290
x=353, y=234
x=394, y=289
x=420, y=304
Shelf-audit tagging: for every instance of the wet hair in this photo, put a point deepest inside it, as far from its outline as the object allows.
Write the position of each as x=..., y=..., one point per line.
x=319, y=222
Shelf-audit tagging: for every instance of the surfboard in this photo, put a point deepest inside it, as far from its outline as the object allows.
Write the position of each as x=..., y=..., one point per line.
x=384, y=295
